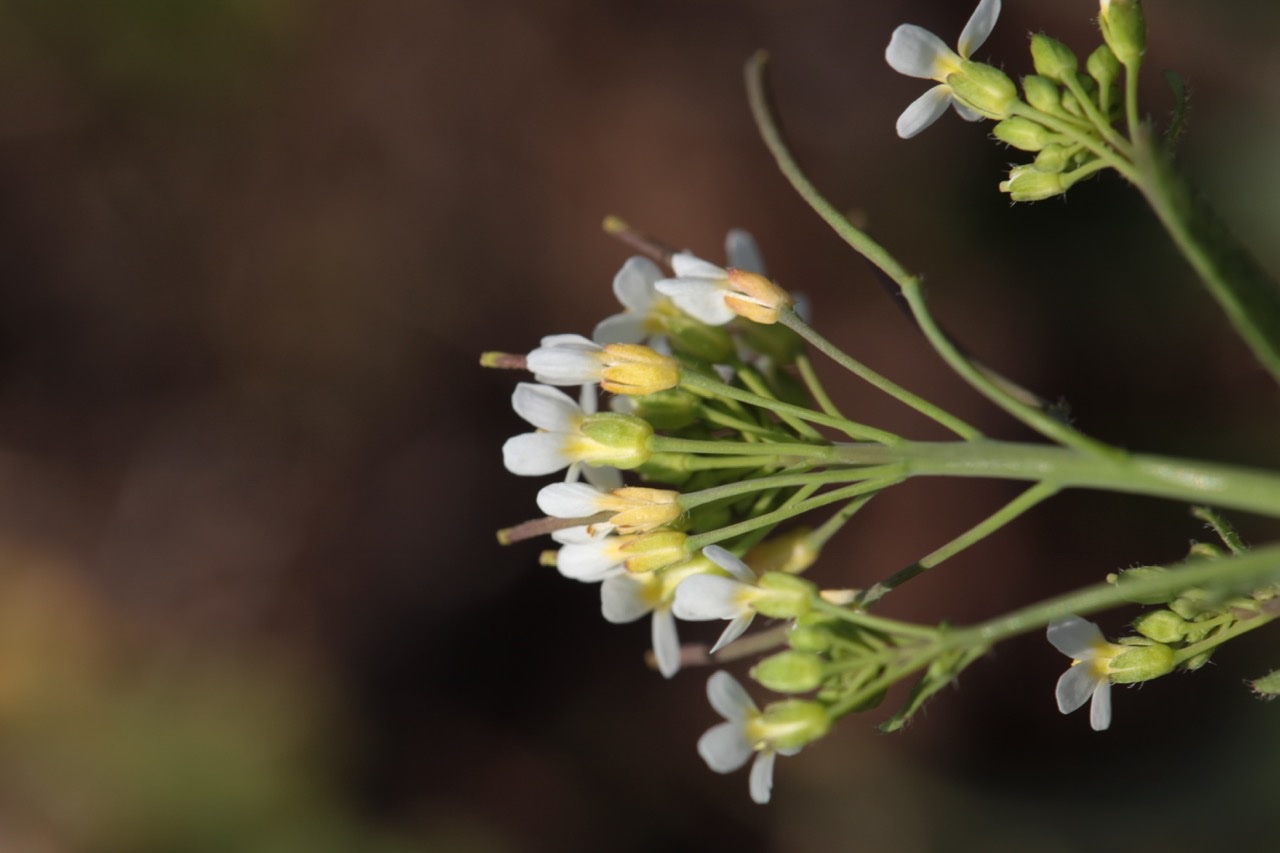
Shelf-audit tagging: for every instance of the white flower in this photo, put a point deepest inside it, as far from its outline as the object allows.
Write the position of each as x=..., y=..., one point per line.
x=627, y=597
x=591, y=555
x=1088, y=677
x=560, y=441
x=634, y=287
x=619, y=368
x=715, y=295
x=743, y=253
x=634, y=509
x=916, y=52
x=713, y=596
x=727, y=746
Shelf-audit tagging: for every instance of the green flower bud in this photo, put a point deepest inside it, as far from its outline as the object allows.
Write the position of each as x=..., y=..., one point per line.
x=1052, y=58
x=1023, y=134
x=1194, y=663
x=1140, y=573
x=1042, y=93
x=1193, y=602
x=1052, y=158
x=1141, y=663
x=790, y=672
x=1070, y=105
x=625, y=436
x=709, y=343
x=1103, y=67
x=672, y=409
x=984, y=89
x=784, y=596
x=1027, y=183
x=810, y=638
x=1124, y=29
x=792, y=723
x=651, y=552
x=1163, y=626
x=1268, y=685
x=791, y=552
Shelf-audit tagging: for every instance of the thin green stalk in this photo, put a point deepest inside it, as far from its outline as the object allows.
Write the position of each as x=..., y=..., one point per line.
x=1097, y=119
x=760, y=450
x=700, y=541
x=1243, y=626
x=1186, y=480
x=1034, y=417
x=819, y=537
x=1016, y=507
x=816, y=390
x=1113, y=158
x=692, y=500
x=793, y=321
x=758, y=386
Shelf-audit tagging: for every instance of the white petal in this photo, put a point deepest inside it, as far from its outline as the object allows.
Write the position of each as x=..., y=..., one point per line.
x=728, y=697
x=1074, y=637
x=735, y=630
x=622, y=599
x=742, y=252
x=762, y=776
x=687, y=265
x=704, y=597
x=633, y=285
x=730, y=563
x=569, y=500
x=1075, y=687
x=724, y=747
x=545, y=407
x=981, y=23
x=624, y=328
x=603, y=477
x=966, y=113
x=700, y=299
x=565, y=360
x=579, y=534
x=666, y=644
x=916, y=52
x=1100, y=710
x=924, y=111
x=587, y=562
x=533, y=454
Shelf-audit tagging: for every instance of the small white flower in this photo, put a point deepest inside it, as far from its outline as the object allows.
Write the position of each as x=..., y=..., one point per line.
x=591, y=554
x=713, y=596
x=634, y=287
x=715, y=295
x=634, y=509
x=627, y=597
x=916, y=52
x=560, y=441
x=727, y=746
x=1088, y=677
x=619, y=368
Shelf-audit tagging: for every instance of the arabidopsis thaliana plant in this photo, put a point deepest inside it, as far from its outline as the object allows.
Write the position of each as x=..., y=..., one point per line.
x=626, y=597
x=727, y=746
x=1088, y=677
x=916, y=52
x=714, y=596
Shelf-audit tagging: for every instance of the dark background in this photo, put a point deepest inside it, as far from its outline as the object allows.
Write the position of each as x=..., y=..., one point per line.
x=250, y=251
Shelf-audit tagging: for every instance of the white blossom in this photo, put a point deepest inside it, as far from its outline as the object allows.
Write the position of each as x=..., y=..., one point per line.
x=713, y=596
x=1087, y=679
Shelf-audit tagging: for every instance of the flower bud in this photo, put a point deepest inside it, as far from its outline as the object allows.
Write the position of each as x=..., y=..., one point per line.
x=1163, y=626
x=1103, y=67
x=1124, y=29
x=1052, y=158
x=986, y=90
x=1268, y=685
x=622, y=441
x=637, y=369
x=651, y=552
x=790, y=672
x=637, y=509
x=712, y=344
x=1042, y=93
x=791, y=552
x=755, y=297
x=1052, y=58
x=783, y=596
x=810, y=638
x=1141, y=663
x=671, y=409
x=1023, y=133
x=792, y=723
x=1027, y=183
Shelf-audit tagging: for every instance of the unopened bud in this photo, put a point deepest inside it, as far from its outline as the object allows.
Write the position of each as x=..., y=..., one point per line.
x=783, y=596
x=637, y=369
x=791, y=552
x=790, y=672
x=1103, y=67
x=1163, y=626
x=755, y=297
x=1052, y=58
x=1023, y=133
x=1027, y=183
x=1042, y=93
x=1124, y=29
x=651, y=552
x=621, y=441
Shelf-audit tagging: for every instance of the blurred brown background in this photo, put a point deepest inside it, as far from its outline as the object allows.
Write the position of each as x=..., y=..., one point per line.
x=250, y=250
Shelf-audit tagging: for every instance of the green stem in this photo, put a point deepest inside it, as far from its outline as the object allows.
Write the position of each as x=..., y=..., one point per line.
x=1242, y=288
x=819, y=537
x=1195, y=482
x=1100, y=149
x=758, y=386
x=1242, y=626
x=1097, y=119
x=816, y=390
x=692, y=500
x=1025, y=501
x=759, y=450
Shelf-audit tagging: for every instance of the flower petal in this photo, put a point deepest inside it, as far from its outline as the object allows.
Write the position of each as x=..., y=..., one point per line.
x=603, y=477
x=545, y=407
x=588, y=562
x=728, y=697
x=633, y=285
x=1075, y=637
x=625, y=328
x=724, y=747
x=730, y=563
x=569, y=500
x=735, y=630
x=704, y=597
x=700, y=299
x=924, y=111
x=916, y=52
x=742, y=252
x=666, y=644
x=565, y=360
x=1100, y=710
x=690, y=266
x=622, y=599
x=966, y=113
x=1075, y=687
x=981, y=23
x=533, y=454
x=761, y=783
